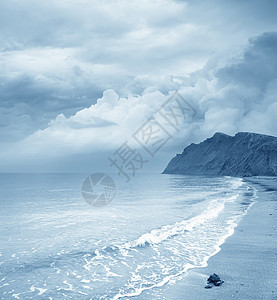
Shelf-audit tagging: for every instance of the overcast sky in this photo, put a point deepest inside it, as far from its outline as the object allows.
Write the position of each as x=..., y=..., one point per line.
x=79, y=77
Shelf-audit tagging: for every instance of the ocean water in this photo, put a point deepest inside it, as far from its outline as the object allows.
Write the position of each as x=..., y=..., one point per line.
x=56, y=246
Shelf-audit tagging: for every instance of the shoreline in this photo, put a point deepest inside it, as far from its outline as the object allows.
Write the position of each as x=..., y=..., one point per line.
x=246, y=261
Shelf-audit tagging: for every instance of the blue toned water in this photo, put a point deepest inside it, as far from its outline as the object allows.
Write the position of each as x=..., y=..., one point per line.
x=55, y=246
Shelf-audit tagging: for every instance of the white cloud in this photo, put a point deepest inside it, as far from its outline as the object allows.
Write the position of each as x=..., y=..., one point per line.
x=222, y=105
x=104, y=125
x=57, y=58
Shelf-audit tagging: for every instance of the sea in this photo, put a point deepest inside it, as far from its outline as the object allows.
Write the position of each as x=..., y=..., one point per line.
x=55, y=245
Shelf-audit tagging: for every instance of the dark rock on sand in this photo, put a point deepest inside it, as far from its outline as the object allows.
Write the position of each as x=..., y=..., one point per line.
x=213, y=280
x=218, y=283
x=209, y=286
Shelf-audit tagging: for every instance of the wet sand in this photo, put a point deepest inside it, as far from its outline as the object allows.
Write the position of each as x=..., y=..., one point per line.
x=247, y=261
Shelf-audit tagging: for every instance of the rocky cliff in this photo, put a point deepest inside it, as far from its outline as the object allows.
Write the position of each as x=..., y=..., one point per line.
x=245, y=154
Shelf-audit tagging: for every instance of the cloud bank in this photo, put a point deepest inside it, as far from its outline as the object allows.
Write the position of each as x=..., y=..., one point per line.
x=79, y=77
x=237, y=96
x=59, y=56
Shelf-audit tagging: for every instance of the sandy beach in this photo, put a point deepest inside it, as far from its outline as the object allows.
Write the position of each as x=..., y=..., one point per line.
x=247, y=261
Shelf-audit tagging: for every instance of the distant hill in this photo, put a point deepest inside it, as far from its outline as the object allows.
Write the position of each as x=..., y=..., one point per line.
x=245, y=154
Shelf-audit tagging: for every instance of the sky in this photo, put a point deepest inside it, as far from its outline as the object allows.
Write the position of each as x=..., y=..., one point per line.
x=80, y=77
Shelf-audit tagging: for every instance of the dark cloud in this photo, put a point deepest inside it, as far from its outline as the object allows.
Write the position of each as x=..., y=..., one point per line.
x=28, y=104
x=258, y=64
x=57, y=57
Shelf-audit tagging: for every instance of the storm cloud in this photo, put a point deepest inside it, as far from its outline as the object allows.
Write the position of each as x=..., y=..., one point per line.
x=77, y=78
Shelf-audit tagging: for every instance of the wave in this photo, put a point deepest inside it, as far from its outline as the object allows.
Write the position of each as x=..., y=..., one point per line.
x=157, y=236
x=116, y=266
x=217, y=247
x=168, y=231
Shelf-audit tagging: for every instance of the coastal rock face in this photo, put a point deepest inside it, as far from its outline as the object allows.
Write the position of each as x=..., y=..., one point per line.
x=245, y=154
